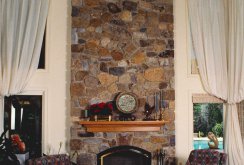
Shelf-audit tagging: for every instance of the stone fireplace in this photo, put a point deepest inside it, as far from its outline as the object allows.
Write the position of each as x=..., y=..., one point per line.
x=124, y=155
x=121, y=46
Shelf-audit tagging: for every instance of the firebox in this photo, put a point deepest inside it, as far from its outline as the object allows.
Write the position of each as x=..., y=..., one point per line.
x=124, y=155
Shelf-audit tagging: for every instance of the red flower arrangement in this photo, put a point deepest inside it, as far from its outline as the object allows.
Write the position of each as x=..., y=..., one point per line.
x=18, y=144
x=101, y=109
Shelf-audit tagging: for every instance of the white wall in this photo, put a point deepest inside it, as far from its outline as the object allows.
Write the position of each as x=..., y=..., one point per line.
x=185, y=84
x=53, y=82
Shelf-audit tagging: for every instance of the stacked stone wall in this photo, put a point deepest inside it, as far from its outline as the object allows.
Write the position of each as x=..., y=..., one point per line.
x=121, y=46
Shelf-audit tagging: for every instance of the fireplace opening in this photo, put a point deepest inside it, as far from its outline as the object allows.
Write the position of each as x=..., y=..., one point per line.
x=121, y=155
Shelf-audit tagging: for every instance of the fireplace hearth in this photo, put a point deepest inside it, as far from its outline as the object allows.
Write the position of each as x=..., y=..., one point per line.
x=124, y=155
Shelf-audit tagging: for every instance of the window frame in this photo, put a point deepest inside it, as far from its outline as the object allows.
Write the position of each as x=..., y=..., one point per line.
x=205, y=98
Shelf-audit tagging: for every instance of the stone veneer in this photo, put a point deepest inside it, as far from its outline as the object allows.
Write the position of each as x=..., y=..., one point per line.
x=121, y=45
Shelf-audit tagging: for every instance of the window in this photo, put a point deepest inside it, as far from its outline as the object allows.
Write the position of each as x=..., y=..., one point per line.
x=41, y=64
x=207, y=117
x=23, y=115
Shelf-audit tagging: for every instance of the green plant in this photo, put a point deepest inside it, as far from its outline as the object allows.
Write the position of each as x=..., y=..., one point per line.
x=7, y=155
x=218, y=129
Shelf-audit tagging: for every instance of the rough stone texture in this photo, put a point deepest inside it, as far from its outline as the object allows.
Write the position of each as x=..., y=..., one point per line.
x=107, y=79
x=76, y=2
x=138, y=58
x=154, y=74
x=117, y=71
x=124, y=138
x=91, y=81
x=113, y=8
x=87, y=159
x=117, y=56
x=77, y=89
x=75, y=144
x=125, y=79
x=79, y=76
x=121, y=46
x=126, y=16
x=130, y=5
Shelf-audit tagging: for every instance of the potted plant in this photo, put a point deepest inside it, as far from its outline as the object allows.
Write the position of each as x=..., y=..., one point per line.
x=7, y=155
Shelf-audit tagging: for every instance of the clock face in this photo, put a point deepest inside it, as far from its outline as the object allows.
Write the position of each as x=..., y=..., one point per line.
x=126, y=102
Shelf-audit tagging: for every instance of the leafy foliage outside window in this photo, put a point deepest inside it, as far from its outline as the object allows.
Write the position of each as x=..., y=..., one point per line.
x=208, y=117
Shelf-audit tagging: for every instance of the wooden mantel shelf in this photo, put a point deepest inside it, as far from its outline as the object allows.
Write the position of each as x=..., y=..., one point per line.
x=122, y=126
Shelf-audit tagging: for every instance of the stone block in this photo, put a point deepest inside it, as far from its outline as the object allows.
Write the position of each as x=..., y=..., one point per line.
x=75, y=112
x=124, y=87
x=91, y=81
x=130, y=48
x=76, y=2
x=94, y=140
x=75, y=144
x=113, y=88
x=146, y=5
x=117, y=56
x=113, y=8
x=123, y=63
x=79, y=75
x=124, y=138
x=93, y=148
x=109, y=135
x=154, y=74
x=77, y=48
x=126, y=16
x=92, y=3
x=159, y=139
x=163, y=85
x=77, y=89
x=169, y=18
x=103, y=146
x=103, y=52
x=85, y=134
x=105, y=96
x=95, y=22
x=75, y=11
x=78, y=22
x=169, y=95
x=112, y=143
x=92, y=45
x=130, y=5
x=117, y=71
x=106, y=17
x=91, y=92
x=87, y=159
x=103, y=67
x=138, y=58
x=125, y=79
x=152, y=19
x=137, y=142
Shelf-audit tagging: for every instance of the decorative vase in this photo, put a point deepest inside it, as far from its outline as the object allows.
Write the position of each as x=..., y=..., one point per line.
x=22, y=157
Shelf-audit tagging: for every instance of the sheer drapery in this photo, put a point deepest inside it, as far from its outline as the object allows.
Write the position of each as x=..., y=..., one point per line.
x=207, y=26
x=233, y=140
x=217, y=35
x=22, y=25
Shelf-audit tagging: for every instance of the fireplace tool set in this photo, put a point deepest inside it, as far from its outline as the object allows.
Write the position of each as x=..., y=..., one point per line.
x=155, y=112
x=161, y=154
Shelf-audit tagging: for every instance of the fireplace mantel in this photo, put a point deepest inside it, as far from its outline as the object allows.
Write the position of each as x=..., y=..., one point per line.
x=122, y=126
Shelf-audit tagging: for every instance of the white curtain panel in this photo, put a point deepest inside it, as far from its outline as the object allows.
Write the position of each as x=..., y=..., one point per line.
x=22, y=25
x=217, y=34
x=207, y=26
x=233, y=140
